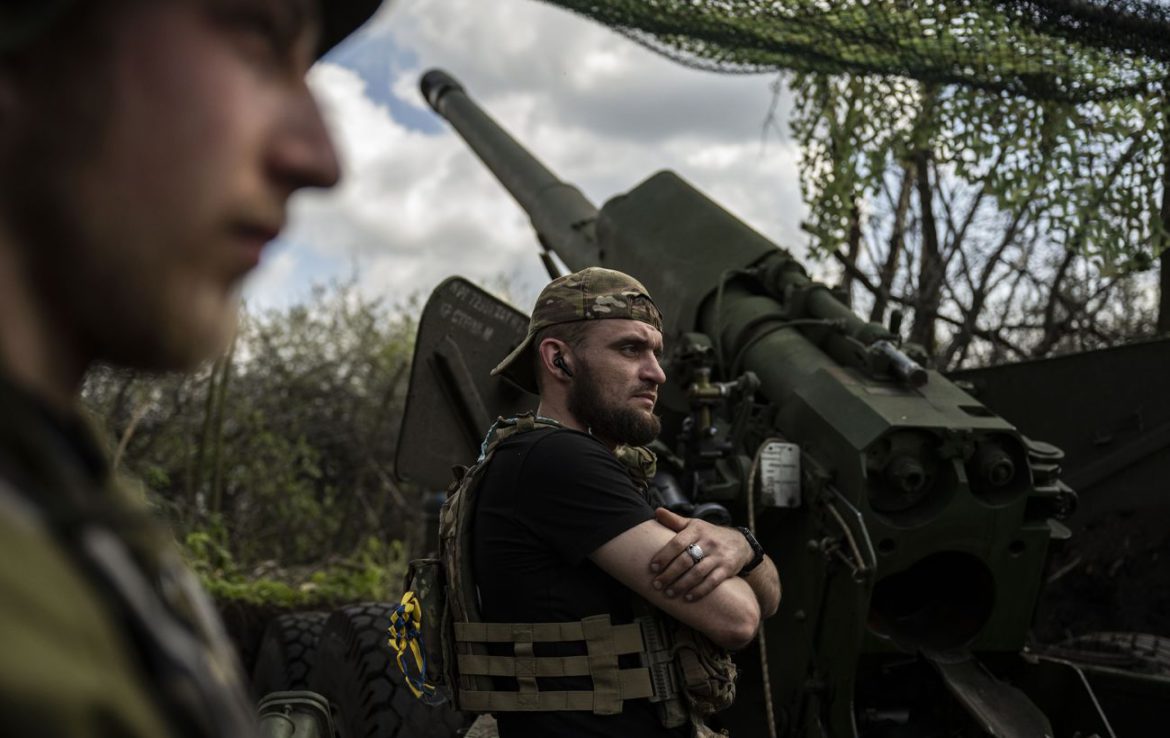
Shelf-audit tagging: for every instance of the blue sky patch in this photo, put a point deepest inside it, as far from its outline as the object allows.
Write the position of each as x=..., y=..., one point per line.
x=379, y=62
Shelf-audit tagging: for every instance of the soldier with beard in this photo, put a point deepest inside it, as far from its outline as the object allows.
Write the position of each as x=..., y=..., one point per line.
x=561, y=532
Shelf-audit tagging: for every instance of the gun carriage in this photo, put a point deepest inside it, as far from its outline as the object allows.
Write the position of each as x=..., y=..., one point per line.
x=909, y=522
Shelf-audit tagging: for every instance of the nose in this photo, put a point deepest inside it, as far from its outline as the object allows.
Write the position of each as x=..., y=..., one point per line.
x=302, y=152
x=652, y=371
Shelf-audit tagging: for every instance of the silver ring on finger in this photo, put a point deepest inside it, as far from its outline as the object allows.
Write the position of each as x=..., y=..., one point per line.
x=696, y=552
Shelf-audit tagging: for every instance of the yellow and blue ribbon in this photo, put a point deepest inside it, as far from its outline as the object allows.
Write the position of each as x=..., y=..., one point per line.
x=406, y=640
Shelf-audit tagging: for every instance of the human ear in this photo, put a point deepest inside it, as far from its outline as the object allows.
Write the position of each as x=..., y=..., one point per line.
x=552, y=356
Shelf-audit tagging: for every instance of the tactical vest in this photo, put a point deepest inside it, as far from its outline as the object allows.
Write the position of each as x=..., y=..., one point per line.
x=681, y=672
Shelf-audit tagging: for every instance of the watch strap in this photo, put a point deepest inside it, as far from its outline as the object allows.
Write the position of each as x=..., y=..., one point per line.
x=757, y=552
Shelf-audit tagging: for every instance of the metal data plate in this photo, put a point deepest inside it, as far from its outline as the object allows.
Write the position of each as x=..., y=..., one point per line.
x=453, y=399
x=780, y=474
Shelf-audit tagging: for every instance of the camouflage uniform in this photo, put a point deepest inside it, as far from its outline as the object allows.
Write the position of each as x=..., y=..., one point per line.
x=103, y=631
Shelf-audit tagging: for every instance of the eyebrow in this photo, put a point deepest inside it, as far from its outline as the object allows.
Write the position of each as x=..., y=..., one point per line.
x=636, y=340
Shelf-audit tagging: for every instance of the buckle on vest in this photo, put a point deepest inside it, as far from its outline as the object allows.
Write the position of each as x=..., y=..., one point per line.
x=658, y=658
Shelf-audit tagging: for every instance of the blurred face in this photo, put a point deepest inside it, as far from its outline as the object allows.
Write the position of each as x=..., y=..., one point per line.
x=171, y=158
x=616, y=376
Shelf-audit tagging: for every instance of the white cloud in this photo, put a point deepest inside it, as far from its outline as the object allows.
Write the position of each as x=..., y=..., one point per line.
x=599, y=110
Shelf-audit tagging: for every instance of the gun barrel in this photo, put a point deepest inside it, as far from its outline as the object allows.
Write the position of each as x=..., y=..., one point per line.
x=563, y=217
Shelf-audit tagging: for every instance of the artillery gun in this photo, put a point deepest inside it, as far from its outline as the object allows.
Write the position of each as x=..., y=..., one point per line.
x=909, y=522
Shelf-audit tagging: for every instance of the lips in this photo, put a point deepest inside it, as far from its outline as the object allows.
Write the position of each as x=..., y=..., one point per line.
x=264, y=233
x=254, y=238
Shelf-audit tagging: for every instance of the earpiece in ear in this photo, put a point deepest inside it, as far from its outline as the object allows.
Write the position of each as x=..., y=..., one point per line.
x=559, y=363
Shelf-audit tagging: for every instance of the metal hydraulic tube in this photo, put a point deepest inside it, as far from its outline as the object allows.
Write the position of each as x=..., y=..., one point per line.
x=750, y=343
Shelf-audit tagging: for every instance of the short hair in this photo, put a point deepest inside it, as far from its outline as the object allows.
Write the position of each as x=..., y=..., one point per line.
x=571, y=333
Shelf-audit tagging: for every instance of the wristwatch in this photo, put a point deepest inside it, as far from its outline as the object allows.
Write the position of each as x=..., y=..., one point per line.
x=757, y=552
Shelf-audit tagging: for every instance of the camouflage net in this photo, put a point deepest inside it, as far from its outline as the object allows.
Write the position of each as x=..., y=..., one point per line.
x=960, y=153
x=1070, y=50
x=1053, y=106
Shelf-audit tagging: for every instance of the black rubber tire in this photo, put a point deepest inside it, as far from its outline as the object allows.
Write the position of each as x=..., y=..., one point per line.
x=1140, y=652
x=288, y=651
x=356, y=671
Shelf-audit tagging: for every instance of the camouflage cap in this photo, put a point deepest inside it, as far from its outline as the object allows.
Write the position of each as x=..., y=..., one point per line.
x=590, y=294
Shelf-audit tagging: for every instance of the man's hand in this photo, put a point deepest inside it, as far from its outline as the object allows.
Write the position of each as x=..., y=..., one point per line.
x=729, y=614
x=725, y=552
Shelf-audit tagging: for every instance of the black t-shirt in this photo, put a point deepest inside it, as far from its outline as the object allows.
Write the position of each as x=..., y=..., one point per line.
x=548, y=499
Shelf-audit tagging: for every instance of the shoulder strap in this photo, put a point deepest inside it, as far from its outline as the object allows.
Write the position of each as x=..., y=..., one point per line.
x=188, y=659
x=505, y=427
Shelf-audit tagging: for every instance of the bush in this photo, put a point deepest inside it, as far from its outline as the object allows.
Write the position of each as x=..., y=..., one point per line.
x=274, y=464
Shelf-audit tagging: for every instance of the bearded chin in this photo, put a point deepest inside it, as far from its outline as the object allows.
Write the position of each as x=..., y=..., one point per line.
x=614, y=423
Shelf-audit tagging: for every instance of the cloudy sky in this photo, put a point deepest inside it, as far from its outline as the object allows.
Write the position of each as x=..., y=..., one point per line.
x=602, y=112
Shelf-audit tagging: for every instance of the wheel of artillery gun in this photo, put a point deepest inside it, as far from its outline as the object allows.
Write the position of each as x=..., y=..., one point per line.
x=1140, y=652
x=288, y=651
x=357, y=673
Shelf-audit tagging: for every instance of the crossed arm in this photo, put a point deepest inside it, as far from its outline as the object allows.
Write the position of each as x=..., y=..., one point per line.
x=725, y=608
x=725, y=550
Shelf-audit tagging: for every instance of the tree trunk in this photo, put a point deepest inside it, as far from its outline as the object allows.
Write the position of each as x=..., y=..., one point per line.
x=897, y=244
x=1163, y=325
x=217, y=430
x=1053, y=324
x=930, y=270
x=854, y=247
x=195, y=480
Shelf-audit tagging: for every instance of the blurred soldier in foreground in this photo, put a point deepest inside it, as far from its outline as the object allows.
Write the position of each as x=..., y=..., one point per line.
x=147, y=152
x=564, y=531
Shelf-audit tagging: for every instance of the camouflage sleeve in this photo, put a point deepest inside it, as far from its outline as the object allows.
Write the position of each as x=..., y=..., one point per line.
x=65, y=669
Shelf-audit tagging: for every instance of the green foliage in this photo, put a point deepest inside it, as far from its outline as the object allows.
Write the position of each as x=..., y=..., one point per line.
x=375, y=573
x=1047, y=211
x=1091, y=173
x=851, y=130
x=275, y=464
x=993, y=166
